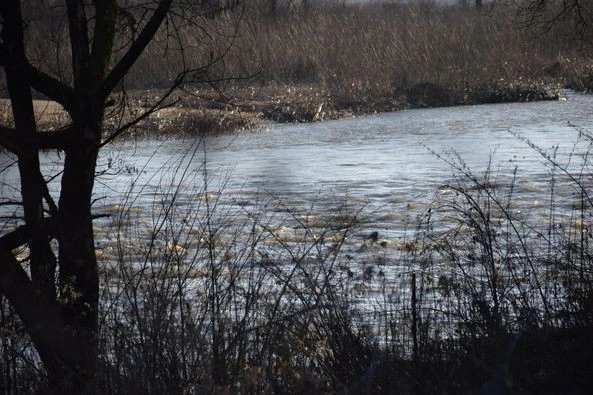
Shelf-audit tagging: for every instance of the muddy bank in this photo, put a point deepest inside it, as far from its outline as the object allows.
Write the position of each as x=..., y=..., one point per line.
x=247, y=108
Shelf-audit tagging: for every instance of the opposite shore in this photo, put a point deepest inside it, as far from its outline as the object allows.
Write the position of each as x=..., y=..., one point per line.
x=247, y=108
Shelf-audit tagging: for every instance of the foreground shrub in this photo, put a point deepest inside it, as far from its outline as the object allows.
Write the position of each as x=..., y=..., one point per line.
x=204, y=292
x=510, y=289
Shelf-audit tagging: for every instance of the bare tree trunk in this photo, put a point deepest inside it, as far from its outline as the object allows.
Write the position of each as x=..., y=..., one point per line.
x=64, y=331
x=42, y=259
x=62, y=316
x=79, y=285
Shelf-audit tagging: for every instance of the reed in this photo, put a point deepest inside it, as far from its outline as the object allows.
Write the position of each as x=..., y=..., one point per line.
x=357, y=52
x=204, y=293
x=375, y=51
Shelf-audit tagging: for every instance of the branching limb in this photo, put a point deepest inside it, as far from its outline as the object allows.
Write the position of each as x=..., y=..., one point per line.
x=159, y=104
x=18, y=237
x=13, y=141
x=57, y=346
x=135, y=50
x=40, y=81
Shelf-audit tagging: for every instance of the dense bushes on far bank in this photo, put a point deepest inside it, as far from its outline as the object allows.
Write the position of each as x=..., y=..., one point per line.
x=331, y=61
x=361, y=59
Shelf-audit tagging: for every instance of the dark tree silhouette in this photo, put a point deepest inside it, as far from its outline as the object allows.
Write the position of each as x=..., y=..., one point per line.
x=55, y=293
x=576, y=16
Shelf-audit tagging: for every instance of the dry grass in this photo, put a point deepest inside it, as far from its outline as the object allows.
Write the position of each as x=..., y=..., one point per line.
x=47, y=113
x=334, y=61
x=379, y=51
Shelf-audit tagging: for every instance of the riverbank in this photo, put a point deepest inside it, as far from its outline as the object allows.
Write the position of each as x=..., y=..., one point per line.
x=246, y=108
x=330, y=61
x=308, y=103
x=249, y=107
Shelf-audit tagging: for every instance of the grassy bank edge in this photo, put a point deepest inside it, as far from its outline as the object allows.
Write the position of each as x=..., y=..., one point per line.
x=250, y=107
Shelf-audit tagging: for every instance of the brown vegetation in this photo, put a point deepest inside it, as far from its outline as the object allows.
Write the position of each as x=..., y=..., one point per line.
x=334, y=61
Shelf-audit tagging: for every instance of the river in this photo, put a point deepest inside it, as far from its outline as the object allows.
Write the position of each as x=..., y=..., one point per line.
x=383, y=169
x=383, y=162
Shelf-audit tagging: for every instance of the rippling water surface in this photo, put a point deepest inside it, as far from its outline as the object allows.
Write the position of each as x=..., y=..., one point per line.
x=386, y=168
x=380, y=162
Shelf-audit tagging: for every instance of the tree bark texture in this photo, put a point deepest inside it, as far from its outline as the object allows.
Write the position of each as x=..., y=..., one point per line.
x=61, y=315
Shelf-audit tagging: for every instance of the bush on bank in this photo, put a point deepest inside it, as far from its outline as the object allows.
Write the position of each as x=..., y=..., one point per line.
x=332, y=61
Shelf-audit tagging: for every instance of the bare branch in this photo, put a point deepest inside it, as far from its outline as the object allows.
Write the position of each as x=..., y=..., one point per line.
x=8, y=140
x=155, y=107
x=14, y=142
x=41, y=82
x=135, y=50
x=79, y=43
x=49, y=86
x=105, y=23
x=51, y=337
x=18, y=237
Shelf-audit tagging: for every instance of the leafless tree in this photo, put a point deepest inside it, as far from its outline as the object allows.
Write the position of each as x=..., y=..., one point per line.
x=55, y=292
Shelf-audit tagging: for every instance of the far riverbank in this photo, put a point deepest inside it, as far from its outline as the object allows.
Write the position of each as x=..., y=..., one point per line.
x=246, y=108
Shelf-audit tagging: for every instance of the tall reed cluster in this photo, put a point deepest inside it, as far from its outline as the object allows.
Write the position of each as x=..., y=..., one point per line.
x=374, y=49
x=357, y=51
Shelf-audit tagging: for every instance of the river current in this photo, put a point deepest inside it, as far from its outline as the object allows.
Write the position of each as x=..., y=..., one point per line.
x=385, y=169
x=384, y=162
x=278, y=201
x=387, y=163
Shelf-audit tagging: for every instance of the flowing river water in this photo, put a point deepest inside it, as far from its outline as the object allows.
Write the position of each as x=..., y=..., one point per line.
x=386, y=162
x=385, y=168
